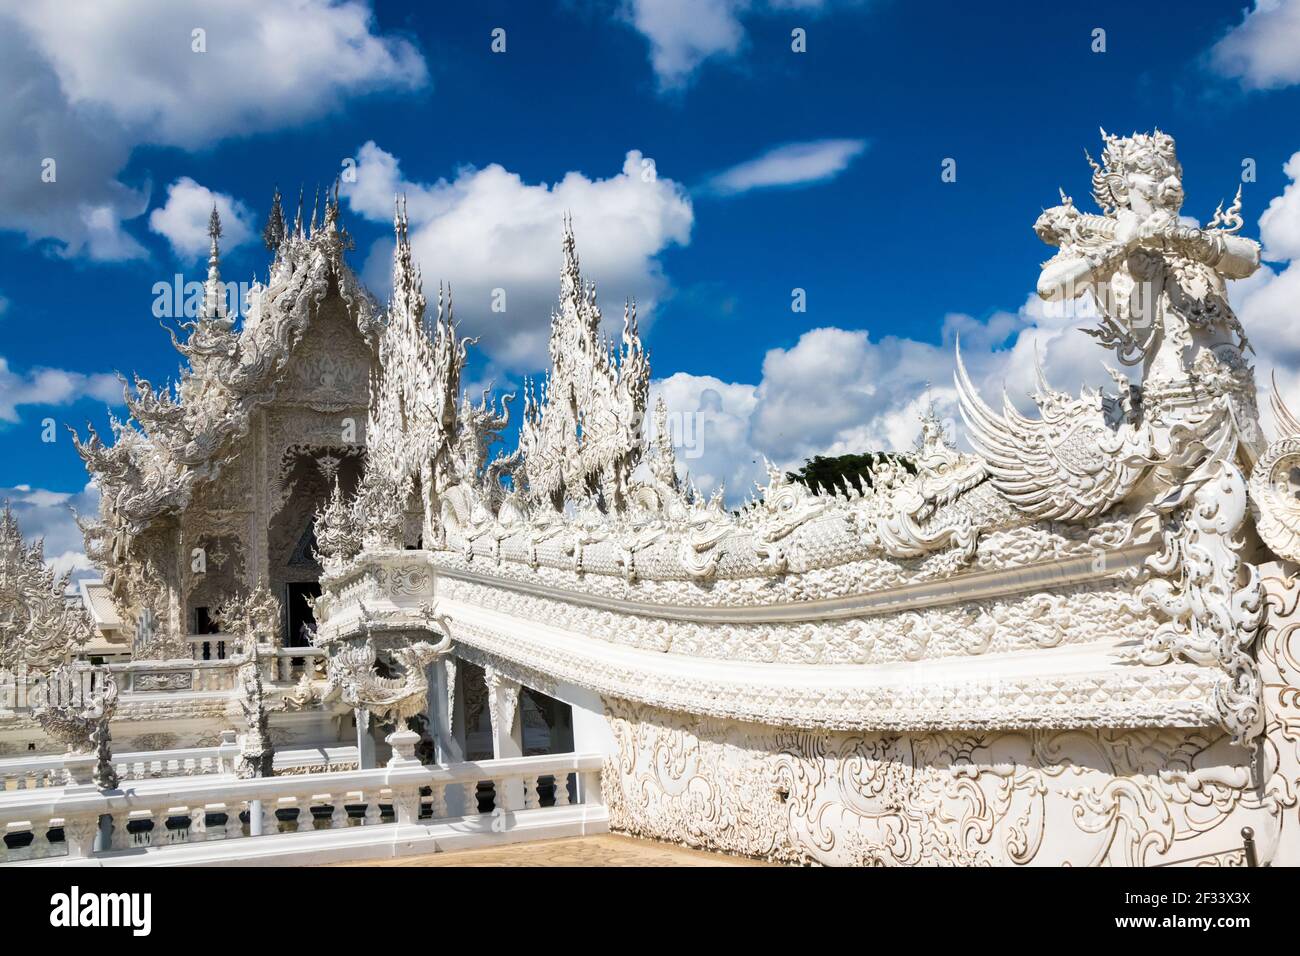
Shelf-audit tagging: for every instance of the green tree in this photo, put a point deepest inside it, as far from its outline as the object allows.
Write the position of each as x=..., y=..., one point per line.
x=822, y=472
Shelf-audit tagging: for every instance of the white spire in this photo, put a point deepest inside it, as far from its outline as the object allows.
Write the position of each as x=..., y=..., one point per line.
x=214, y=301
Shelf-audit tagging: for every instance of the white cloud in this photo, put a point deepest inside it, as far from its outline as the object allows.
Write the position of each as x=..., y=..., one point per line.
x=794, y=164
x=84, y=206
x=1267, y=302
x=684, y=33
x=709, y=422
x=264, y=64
x=838, y=391
x=1263, y=51
x=487, y=229
x=89, y=80
x=183, y=219
x=48, y=515
x=52, y=386
x=1279, y=224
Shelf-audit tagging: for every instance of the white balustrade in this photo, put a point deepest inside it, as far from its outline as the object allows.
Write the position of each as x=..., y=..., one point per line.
x=184, y=812
x=288, y=664
x=47, y=770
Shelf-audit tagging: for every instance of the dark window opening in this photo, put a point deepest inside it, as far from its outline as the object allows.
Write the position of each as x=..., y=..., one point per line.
x=302, y=619
x=204, y=622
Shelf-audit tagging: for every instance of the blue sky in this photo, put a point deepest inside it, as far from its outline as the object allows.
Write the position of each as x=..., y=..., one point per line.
x=772, y=170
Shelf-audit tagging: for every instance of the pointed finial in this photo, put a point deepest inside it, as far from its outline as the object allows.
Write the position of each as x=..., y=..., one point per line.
x=400, y=220
x=332, y=206
x=214, y=305
x=273, y=233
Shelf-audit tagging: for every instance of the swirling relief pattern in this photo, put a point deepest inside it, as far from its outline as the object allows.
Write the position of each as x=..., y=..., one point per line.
x=1044, y=797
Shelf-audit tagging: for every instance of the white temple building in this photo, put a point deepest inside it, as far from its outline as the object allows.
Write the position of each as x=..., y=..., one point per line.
x=335, y=622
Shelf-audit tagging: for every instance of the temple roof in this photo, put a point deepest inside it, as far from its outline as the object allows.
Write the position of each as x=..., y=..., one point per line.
x=178, y=434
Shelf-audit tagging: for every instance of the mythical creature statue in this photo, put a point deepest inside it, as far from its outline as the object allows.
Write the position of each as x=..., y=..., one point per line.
x=74, y=704
x=256, y=755
x=252, y=619
x=1159, y=283
x=1176, y=442
x=1159, y=286
x=481, y=426
x=1077, y=460
x=351, y=675
x=914, y=520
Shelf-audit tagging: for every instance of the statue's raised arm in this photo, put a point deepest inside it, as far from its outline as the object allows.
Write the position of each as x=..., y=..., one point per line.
x=1139, y=189
x=1159, y=283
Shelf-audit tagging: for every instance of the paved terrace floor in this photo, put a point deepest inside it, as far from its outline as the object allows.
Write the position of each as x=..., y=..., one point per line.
x=606, y=849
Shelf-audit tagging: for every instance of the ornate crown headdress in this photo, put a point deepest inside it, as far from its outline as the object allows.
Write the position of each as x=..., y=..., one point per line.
x=1141, y=152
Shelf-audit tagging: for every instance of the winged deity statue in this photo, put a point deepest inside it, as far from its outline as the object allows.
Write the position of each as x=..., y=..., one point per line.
x=1159, y=287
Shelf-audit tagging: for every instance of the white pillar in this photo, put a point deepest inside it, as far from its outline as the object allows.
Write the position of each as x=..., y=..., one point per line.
x=507, y=731
x=591, y=732
x=442, y=713
x=365, y=740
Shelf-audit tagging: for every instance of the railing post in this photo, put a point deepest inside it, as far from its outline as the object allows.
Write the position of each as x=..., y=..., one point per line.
x=228, y=752
x=158, y=832
x=79, y=833
x=561, y=788
x=438, y=800
x=339, y=815
x=589, y=792
x=1248, y=846
x=270, y=823
x=234, y=828
x=403, y=743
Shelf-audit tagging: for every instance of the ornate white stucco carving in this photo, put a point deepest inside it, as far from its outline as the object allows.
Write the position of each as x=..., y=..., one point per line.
x=1050, y=650
x=1211, y=599
x=1275, y=485
x=39, y=627
x=1042, y=797
x=351, y=674
x=200, y=456
x=503, y=700
x=581, y=430
x=73, y=704
x=257, y=753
